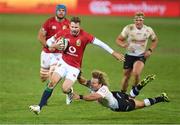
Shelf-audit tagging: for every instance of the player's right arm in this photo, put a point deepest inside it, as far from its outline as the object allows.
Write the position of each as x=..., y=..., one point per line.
x=121, y=39
x=83, y=81
x=115, y=54
x=91, y=97
x=42, y=37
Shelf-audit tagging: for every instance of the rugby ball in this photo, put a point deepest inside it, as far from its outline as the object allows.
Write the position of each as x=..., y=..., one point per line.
x=62, y=43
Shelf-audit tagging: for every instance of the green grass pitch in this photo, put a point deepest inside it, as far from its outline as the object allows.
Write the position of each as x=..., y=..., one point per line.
x=20, y=85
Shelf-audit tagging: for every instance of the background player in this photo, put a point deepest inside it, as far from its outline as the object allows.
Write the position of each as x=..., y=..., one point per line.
x=50, y=28
x=134, y=38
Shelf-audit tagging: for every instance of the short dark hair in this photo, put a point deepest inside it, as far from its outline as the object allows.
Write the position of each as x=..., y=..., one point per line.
x=76, y=19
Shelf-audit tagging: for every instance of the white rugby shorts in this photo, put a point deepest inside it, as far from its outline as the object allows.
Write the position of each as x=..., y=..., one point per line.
x=66, y=71
x=48, y=59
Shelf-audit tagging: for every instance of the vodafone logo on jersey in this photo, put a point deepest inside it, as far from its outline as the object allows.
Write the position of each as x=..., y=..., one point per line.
x=72, y=49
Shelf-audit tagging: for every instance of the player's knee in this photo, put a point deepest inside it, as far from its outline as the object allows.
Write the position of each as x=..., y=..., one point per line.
x=54, y=80
x=52, y=68
x=65, y=89
x=136, y=74
x=139, y=104
x=51, y=85
x=127, y=76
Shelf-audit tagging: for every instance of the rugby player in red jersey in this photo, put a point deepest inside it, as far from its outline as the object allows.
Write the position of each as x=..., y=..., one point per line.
x=69, y=66
x=49, y=29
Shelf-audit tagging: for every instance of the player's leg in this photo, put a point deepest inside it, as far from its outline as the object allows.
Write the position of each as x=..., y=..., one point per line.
x=124, y=102
x=45, y=65
x=54, y=61
x=135, y=90
x=56, y=76
x=125, y=80
x=44, y=74
x=68, y=90
x=137, y=69
x=151, y=101
x=139, y=104
x=49, y=89
x=71, y=77
x=127, y=69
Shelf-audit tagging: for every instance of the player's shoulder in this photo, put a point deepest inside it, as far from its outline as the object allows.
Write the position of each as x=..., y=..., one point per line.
x=66, y=20
x=51, y=19
x=84, y=33
x=104, y=88
x=129, y=27
x=148, y=28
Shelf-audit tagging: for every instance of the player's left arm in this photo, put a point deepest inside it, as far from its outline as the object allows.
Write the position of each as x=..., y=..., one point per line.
x=90, y=97
x=153, y=45
x=118, y=56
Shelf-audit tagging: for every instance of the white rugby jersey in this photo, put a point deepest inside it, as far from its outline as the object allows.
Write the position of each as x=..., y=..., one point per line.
x=137, y=39
x=108, y=99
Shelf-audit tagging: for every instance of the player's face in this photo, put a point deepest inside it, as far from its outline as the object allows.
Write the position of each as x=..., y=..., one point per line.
x=139, y=23
x=74, y=28
x=60, y=13
x=95, y=84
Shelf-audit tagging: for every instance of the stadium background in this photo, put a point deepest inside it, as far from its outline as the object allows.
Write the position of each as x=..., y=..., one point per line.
x=19, y=60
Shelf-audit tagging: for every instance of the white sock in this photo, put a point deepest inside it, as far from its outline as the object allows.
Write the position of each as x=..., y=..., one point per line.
x=132, y=93
x=147, y=102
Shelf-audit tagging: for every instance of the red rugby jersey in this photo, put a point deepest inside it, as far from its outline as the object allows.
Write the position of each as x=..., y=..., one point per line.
x=51, y=26
x=73, y=55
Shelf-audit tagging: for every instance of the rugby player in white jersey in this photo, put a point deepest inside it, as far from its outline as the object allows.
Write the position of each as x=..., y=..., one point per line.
x=116, y=100
x=134, y=38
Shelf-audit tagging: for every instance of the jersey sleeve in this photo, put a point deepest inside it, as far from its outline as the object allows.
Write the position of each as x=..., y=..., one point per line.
x=124, y=32
x=103, y=91
x=45, y=26
x=89, y=38
x=152, y=34
x=103, y=45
